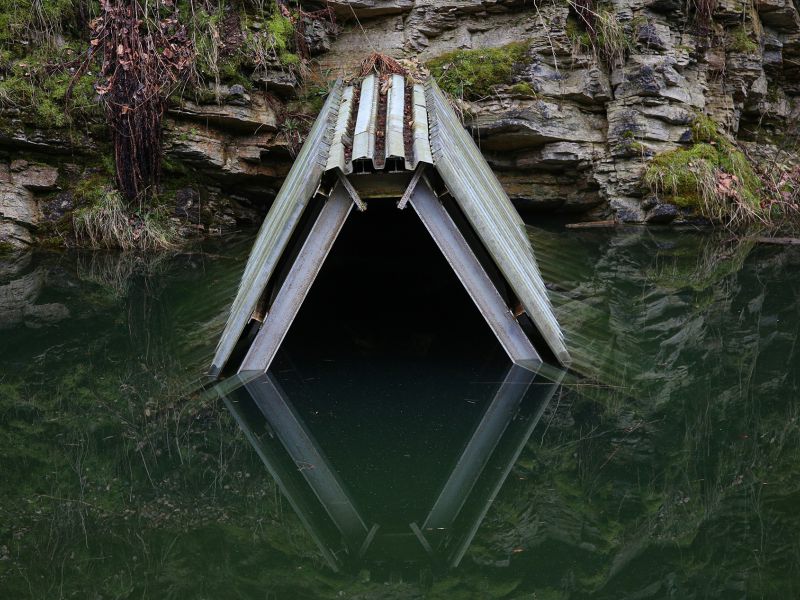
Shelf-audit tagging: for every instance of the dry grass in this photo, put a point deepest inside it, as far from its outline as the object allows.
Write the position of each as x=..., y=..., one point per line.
x=109, y=224
x=600, y=31
x=612, y=39
x=117, y=271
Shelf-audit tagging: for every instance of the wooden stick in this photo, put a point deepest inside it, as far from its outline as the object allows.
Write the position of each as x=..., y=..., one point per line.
x=592, y=224
x=362, y=206
x=412, y=185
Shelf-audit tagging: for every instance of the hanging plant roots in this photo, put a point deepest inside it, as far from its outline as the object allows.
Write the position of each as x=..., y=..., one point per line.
x=144, y=59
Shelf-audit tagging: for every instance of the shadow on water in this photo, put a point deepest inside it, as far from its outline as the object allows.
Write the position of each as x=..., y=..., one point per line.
x=670, y=470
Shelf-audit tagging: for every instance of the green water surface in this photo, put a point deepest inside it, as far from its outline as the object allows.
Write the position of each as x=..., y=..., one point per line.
x=668, y=467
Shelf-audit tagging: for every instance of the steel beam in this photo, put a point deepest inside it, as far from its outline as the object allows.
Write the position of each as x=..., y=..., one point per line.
x=473, y=276
x=295, y=288
x=310, y=461
x=478, y=450
x=288, y=480
x=540, y=394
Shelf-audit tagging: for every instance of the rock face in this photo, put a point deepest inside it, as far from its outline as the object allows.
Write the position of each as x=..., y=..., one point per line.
x=19, y=209
x=581, y=139
x=571, y=128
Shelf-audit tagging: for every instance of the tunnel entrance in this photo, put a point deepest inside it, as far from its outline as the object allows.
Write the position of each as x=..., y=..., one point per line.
x=386, y=292
x=442, y=175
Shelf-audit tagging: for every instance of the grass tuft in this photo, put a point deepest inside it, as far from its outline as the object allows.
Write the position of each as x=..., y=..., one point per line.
x=739, y=40
x=107, y=223
x=609, y=42
x=711, y=176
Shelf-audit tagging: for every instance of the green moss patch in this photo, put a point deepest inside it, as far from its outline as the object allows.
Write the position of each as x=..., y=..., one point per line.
x=32, y=86
x=712, y=176
x=281, y=30
x=522, y=89
x=474, y=74
x=41, y=23
x=739, y=41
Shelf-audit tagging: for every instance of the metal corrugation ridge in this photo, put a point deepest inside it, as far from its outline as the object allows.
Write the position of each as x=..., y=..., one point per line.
x=419, y=129
x=279, y=224
x=366, y=120
x=483, y=200
x=395, y=111
x=336, y=156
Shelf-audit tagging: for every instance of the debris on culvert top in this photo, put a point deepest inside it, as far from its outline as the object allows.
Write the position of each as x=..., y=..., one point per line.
x=382, y=65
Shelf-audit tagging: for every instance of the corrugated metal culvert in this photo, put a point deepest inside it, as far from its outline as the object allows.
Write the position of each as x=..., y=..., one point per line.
x=373, y=126
x=381, y=123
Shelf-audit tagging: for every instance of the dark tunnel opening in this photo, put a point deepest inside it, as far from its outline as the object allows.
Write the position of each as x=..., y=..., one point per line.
x=384, y=292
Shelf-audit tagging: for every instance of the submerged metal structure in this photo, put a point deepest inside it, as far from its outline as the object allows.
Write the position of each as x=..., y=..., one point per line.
x=385, y=138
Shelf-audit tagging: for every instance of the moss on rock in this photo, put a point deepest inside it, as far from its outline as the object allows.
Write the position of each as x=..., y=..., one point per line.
x=474, y=74
x=712, y=176
x=739, y=41
x=522, y=89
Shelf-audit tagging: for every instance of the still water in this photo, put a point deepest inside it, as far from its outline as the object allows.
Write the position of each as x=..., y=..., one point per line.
x=409, y=460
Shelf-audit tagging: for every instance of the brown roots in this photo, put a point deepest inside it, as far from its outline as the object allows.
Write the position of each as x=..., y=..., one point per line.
x=144, y=58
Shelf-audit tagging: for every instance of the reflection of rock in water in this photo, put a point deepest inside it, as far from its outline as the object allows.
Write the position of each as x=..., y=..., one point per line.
x=152, y=304
x=13, y=264
x=666, y=487
x=20, y=288
x=636, y=304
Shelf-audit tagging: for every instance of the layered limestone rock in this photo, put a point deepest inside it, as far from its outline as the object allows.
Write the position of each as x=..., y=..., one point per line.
x=19, y=209
x=571, y=127
x=574, y=129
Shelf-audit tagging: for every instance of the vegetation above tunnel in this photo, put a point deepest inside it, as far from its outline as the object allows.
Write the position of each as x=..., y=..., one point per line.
x=109, y=70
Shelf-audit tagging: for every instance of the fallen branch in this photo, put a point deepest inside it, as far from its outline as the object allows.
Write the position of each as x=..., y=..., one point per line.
x=778, y=241
x=592, y=224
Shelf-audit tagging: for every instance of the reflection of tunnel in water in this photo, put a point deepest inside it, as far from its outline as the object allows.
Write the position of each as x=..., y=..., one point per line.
x=386, y=290
x=310, y=453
